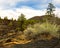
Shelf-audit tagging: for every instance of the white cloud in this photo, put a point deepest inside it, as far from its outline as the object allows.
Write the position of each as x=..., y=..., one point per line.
x=56, y=1
x=31, y=12
x=27, y=11
x=41, y=6
x=9, y=3
x=57, y=12
x=12, y=3
x=9, y=13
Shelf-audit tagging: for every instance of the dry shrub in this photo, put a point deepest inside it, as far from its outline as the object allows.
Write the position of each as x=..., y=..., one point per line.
x=38, y=29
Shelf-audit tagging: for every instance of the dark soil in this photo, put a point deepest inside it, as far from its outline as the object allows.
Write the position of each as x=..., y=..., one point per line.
x=53, y=43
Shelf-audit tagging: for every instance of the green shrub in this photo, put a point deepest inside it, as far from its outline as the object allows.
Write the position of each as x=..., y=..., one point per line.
x=35, y=30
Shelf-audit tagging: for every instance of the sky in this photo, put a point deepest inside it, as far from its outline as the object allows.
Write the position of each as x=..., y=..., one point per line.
x=30, y=8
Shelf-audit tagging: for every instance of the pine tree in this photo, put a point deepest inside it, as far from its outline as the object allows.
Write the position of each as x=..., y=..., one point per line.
x=5, y=18
x=50, y=9
x=21, y=22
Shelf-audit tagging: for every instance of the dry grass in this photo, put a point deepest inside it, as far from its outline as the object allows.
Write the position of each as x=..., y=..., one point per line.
x=20, y=39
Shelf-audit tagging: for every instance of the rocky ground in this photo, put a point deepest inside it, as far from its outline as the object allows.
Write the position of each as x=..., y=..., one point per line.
x=53, y=43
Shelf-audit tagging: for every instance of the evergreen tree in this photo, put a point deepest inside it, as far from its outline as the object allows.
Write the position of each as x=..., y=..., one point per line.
x=12, y=19
x=5, y=18
x=10, y=24
x=22, y=22
x=50, y=9
x=0, y=18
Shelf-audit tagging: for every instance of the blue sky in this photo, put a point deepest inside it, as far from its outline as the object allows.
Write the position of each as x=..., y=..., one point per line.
x=33, y=4
x=30, y=8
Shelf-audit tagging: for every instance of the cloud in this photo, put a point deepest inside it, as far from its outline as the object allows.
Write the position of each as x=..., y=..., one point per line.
x=41, y=6
x=30, y=12
x=9, y=3
x=15, y=12
x=57, y=2
x=14, y=3
x=32, y=3
x=9, y=13
x=57, y=12
x=27, y=11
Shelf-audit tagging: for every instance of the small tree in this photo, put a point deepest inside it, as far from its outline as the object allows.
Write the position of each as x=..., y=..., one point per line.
x=12, y=19
x=10, y=24
x=21, y=22
x=50, y=9
x=5, y=18
x=0, y=18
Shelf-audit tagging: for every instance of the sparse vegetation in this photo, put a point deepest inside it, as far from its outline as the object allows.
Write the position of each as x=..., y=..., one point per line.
x=43, y=29
x=46, y=28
